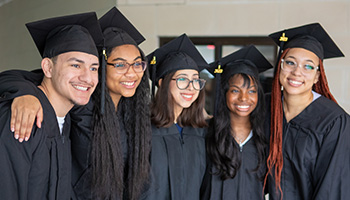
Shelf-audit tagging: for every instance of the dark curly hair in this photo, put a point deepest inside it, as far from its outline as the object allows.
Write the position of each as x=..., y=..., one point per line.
x=220, y=143
x=112, y=177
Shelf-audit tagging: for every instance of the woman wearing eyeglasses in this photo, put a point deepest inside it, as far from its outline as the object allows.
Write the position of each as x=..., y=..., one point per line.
x=110, y=137
x=310, y=133
x=178, y=124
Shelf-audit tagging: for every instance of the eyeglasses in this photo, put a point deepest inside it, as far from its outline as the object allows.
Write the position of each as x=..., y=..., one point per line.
x=123, y=67
x=306, y=69
x=183, y=83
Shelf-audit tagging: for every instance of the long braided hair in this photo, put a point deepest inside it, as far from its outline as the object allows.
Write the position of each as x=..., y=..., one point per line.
x=275, y=159
x=112, y=177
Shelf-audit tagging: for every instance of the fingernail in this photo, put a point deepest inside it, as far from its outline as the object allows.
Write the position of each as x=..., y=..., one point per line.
x=16, y=136
x=26, y=139
x=12, y=129
x=20, y=140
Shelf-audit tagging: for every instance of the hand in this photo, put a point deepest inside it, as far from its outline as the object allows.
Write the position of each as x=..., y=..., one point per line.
x=24, y=110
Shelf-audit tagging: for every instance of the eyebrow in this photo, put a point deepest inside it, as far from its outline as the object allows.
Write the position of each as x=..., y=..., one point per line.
x=79, y=61
x=186, y=75
x=251, y=86
x=122, y=59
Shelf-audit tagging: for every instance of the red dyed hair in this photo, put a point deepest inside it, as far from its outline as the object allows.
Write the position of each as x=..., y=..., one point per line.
x=275, y=158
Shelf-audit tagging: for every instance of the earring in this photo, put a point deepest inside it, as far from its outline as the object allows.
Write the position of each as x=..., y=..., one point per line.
x=281, y=87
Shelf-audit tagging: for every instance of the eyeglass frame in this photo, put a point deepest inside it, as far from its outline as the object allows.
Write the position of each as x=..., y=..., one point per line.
x=298, y=65
x=189, y=82
x=128, y=64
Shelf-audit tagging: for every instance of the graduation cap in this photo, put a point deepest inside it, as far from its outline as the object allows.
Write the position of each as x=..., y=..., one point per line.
x=311, y=37
x=248, y=60
x=178, y=54
x=117, y=31
x=80, y=32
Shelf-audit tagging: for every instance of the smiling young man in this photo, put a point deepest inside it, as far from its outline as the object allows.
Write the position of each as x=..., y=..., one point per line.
x=41, y=167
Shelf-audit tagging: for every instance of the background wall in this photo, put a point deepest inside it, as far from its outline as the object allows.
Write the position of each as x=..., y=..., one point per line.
x=156, y=18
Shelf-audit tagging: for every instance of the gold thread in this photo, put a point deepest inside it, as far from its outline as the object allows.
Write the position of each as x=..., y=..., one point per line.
x=153, y=60
x=283, y=38
x=218, y=70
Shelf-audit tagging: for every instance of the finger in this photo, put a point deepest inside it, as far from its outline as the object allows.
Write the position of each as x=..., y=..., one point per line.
x=29, y=127
x=13, y=121
x=39, y=117
x=19, y=126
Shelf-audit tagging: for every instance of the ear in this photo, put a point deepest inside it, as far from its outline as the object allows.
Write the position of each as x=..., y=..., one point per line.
x=317, y=77
x=160, y=82
x=47, y=66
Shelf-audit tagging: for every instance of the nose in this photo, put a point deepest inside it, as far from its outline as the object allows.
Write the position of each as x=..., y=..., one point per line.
x=87, y=75
x=243, y=96
x=130, y=72
x=297, y=70
x=190, y=86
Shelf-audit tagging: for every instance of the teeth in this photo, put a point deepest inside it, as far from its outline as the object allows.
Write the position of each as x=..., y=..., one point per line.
x=187, y=96
x=128, y=83
x=80, y=87
x=295, y=82
x=243, y=107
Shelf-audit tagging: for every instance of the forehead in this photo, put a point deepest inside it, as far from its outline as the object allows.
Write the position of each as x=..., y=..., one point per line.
x=76, y=55
x=186, y=72
x=238, y=80
x=126, y=50
x=301, y=54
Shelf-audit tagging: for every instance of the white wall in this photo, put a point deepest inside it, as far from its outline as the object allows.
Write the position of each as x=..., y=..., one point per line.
x=156, y=18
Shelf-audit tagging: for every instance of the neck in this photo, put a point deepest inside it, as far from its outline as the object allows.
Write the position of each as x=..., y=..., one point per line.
x=240, y=127
x=60, y=105
x=115, y=98
x=177, y=112
x=293, y=105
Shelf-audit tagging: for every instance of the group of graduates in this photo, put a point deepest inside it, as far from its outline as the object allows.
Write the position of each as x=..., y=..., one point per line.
x=89, y=125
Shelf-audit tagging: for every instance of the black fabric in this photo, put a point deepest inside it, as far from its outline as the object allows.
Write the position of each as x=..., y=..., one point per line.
x=247, y=60
x=118, y=30
x=247, y=184
x=178, y=163
x=39, y=168
x=316, y=151
x=80, y=32
x=312, y=37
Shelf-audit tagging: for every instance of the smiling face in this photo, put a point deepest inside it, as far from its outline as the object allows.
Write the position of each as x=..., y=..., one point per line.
x=74, y=77
x=123, y=84
x=241, y=99
x=183, y=98
x=295, y=82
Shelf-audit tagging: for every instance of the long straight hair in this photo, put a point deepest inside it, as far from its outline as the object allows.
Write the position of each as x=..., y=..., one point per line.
x=112, y=178
x=275, y=159
x=221, y=149
x=162, y=108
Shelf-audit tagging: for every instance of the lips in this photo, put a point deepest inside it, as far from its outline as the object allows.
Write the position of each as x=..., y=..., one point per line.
x=294, y=83
x=128, y=84
x=81, y=88
x=242, y=108
x=187, y=97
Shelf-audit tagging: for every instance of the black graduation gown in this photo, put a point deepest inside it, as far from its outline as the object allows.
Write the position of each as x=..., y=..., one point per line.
x=247, y=184
x=316, y=154
x=39, y=168
x=178, y=163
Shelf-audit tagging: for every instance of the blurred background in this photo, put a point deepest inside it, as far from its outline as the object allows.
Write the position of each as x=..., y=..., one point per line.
x=217, y=28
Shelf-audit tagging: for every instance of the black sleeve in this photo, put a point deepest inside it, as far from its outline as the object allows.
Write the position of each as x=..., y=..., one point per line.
x=14, y=83
x=332, y=169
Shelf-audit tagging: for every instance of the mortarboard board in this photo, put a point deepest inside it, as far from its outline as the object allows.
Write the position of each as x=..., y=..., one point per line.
x=80, y=32
x=311, y=37
x=118, y=30
x=248, y=60
x=178, y=54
